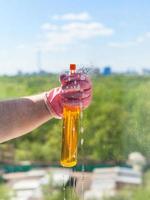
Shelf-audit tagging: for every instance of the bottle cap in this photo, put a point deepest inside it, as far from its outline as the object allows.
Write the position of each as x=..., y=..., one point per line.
x=72, y=66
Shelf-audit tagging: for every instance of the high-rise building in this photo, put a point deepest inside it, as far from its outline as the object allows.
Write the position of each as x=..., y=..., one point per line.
x=107, y=71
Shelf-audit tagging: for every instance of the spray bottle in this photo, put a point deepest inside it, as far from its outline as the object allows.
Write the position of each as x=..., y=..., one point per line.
x=71, y=118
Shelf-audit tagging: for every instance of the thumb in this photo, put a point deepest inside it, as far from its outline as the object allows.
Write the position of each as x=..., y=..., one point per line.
x=63, y=78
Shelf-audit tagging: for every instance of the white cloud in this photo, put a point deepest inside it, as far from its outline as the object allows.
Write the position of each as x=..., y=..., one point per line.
x=121, y=44
x=140, y=39
x=87, y=30
x=48, y=26
x=137, y=41
x=83, y=16
x=147, y=34
x=58, y=36
x=21, y=46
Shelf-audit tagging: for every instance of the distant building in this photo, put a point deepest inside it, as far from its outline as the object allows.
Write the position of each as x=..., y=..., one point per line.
x=42, y=72
x=28, y=185
x=131, y=72
x=111, y=179
x=93, y=71
x=19, y=73
x=90, y=69
x=137, y=161
x=146, y=71
x=107, y=71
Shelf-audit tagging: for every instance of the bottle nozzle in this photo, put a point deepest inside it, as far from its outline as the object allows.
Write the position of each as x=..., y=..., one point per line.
x=72, y=68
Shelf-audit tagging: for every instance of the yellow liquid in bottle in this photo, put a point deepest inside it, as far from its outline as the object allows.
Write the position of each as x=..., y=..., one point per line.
x=70, y=131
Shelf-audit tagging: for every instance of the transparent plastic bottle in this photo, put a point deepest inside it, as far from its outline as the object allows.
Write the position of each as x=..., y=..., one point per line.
x=71, y=116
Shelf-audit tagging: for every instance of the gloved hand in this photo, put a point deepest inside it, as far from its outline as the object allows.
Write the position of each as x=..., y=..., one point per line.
x=75, y=90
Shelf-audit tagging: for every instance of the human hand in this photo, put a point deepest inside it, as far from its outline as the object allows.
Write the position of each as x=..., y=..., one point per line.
x=75, y=90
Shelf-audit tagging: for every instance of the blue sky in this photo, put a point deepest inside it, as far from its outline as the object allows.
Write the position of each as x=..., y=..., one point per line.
x=97, y=32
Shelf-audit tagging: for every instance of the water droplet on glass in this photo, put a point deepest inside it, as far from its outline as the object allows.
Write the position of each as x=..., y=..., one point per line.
x=81, y=105
x=64, y=188
x=82, y=141
x=81, y=114
x=82, y=129
x=82, y=77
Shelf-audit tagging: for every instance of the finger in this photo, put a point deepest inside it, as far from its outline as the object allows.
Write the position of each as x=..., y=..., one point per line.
x=65, y=78
x=77, y=94
x=70, y=88
x=78, y=85
x=84, y=102
x=73, y=95
x=73, y=77
x=62, y=78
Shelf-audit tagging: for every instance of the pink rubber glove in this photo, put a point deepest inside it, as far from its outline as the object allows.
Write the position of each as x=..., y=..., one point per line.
x=75, y=90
